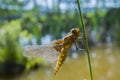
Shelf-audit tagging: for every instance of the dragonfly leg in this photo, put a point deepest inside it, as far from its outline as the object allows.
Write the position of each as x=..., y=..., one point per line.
x=76, y=46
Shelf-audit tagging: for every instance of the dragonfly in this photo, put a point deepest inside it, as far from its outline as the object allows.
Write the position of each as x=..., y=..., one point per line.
x=57, y=50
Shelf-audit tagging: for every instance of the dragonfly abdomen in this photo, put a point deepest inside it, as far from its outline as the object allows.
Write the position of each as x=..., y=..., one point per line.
x=61, y=59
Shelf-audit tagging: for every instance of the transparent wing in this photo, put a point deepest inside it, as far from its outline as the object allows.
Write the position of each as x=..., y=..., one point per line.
x=46, y=52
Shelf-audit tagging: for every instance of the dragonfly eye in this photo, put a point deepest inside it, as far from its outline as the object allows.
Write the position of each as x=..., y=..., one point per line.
x=73, y=31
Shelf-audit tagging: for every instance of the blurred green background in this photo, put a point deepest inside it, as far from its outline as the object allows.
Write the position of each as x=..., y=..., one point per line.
x=36, y=22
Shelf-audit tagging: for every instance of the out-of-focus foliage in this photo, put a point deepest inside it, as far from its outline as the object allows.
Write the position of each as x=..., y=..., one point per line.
x=112, y=20
x=31, y=24
x=11, y=58
x=55, y=24
x=9, y=46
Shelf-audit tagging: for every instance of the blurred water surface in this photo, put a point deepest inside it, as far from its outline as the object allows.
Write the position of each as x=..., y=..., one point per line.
x=105, y=65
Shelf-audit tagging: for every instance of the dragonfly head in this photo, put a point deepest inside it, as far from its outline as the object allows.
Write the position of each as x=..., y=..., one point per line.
x=77, y=36
x=76, y=32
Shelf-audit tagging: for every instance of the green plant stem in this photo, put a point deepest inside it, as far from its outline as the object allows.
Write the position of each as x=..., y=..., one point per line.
x=85, y=39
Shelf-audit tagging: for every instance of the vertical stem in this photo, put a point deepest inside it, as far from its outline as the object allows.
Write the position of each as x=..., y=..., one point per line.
x=85, y=39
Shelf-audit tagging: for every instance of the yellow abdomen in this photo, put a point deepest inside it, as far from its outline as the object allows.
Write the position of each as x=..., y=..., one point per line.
x=61, y=59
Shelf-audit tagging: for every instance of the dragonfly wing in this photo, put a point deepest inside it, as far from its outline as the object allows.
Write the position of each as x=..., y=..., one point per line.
x=46, y=52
